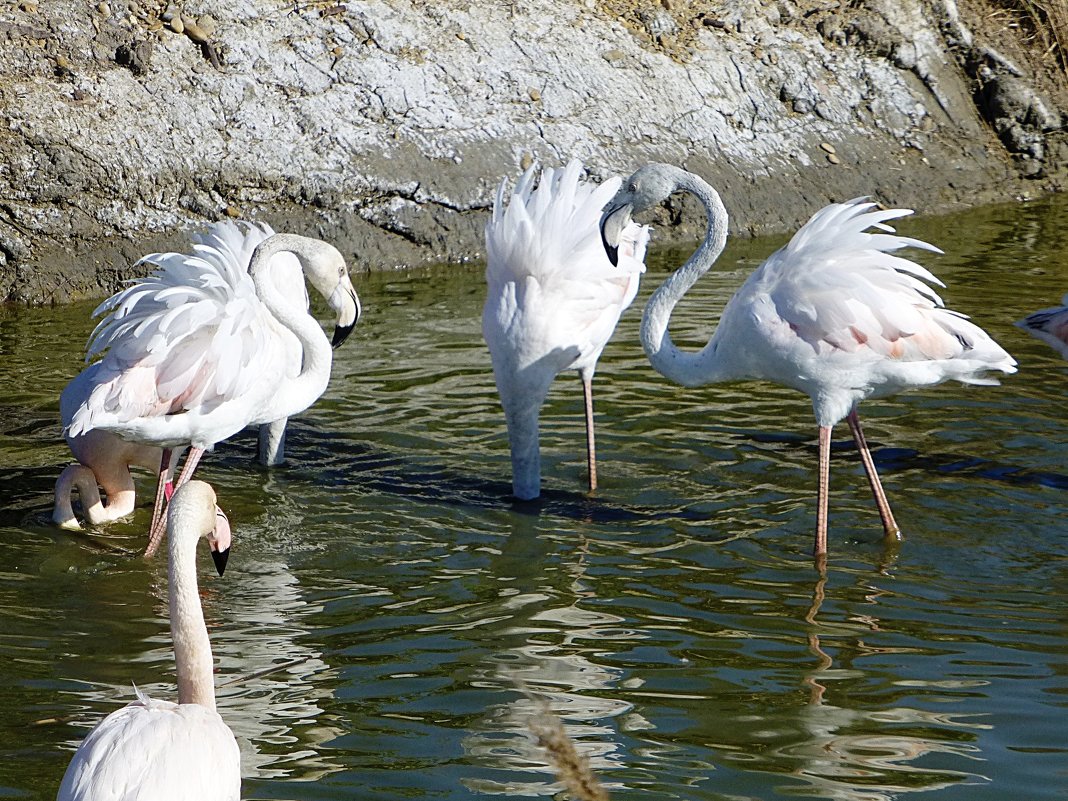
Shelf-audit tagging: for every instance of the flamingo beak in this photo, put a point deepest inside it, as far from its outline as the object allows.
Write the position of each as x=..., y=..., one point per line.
x=220, y=540
x=614, y=218
x=341, y=333
x=346, y=303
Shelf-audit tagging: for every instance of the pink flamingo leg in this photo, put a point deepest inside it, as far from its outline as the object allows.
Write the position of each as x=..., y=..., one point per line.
x=823, y=492
x=161, y=489
x=591, y=448
x=890, y=528
x=155, y=536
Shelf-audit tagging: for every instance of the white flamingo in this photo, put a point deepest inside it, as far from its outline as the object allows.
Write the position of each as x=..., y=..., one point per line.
x=157, y=750
x=190, y=362
x=832, y=314
x=1049, y=325
x=104, y=459
x=553, y=300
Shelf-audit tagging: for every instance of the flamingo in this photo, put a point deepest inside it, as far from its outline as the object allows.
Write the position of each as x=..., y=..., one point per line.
x=1049, y=325
x=552, y=301
x=832, y=314
x=105, y=459
x=160, y=750
x=190, y=360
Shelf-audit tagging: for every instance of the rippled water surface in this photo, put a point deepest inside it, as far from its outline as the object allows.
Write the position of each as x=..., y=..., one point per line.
x=674, y=621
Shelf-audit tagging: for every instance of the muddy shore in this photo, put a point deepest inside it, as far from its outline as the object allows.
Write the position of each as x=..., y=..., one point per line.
x=385, y=126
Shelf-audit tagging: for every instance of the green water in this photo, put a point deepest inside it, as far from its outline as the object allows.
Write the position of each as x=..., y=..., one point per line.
x=674, y=621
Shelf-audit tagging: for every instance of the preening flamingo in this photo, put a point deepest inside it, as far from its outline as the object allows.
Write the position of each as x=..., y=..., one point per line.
x=193, y=356
x=833, y=314
x=553, y=300
x=154, y=750
x=103, y=458
x=1050, y=325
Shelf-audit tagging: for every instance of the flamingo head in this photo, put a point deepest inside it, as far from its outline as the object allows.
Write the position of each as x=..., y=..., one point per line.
x=647, y=187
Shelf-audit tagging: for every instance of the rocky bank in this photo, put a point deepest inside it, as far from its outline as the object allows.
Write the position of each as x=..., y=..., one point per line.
x=384, y=126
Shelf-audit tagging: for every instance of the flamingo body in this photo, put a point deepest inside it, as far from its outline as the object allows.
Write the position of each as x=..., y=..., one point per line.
x=1050, y=325
x=204, y=346
x=835, y=314
x=153, y=750
x=103, y=460
x=553, y=299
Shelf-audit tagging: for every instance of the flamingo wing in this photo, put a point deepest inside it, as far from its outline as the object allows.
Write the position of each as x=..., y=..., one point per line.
x=189, y=335
x=156, y=751
x=552, y=288
x=839, y=287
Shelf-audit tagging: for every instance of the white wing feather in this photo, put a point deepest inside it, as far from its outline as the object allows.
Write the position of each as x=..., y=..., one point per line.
x=839, y=286
x=156, y=751
x=179, y=338
x=551, y=287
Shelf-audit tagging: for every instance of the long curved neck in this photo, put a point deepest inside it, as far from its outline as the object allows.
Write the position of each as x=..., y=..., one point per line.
x=301, y=392
x=689, y=369
x=192, y=648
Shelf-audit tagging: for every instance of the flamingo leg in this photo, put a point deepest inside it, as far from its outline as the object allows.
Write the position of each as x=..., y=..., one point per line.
x=823, y=493
x=161, y=489
x=890, y=528
x=591, y=448
x=159, y=527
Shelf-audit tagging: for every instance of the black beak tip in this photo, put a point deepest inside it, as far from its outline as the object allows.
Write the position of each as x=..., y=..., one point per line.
x=611, y=250
x=220, y=558
x=341, y=333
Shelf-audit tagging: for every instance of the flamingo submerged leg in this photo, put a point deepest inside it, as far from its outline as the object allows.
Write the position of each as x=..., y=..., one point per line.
x=591, y=448
x=155, y=534
x=890, y=527
x=823, y=492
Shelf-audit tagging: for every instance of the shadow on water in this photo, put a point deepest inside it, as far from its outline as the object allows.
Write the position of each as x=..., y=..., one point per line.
x=365, y=468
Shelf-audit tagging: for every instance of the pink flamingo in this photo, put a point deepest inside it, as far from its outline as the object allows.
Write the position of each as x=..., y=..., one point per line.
x=201, y=348
x=552, y=301
x=833, y=314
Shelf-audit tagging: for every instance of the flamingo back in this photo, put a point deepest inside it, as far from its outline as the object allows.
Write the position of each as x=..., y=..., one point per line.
x=1050, y=325
x=552, y=292
x=838, y=288
x=152, y=750
x=187, y=336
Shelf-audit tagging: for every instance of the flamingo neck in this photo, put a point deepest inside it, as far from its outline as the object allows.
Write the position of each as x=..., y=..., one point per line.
x=301, y=392
x=689, y=369
x=525, y=451
x=192, y=648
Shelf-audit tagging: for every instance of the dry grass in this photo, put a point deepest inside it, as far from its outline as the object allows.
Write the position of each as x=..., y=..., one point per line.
x=1048, y=21
x=572, y=768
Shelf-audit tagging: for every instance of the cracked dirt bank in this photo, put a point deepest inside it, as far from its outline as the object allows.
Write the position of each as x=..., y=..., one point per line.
x=385, y=126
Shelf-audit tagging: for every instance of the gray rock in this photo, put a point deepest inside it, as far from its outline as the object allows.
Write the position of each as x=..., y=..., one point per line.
x=386, y=126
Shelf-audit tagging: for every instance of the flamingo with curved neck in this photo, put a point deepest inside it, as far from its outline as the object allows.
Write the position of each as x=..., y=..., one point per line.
x=552, y=301
x=190, y=363
x=158, y=749
x=104, y=459
x=832, y=314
